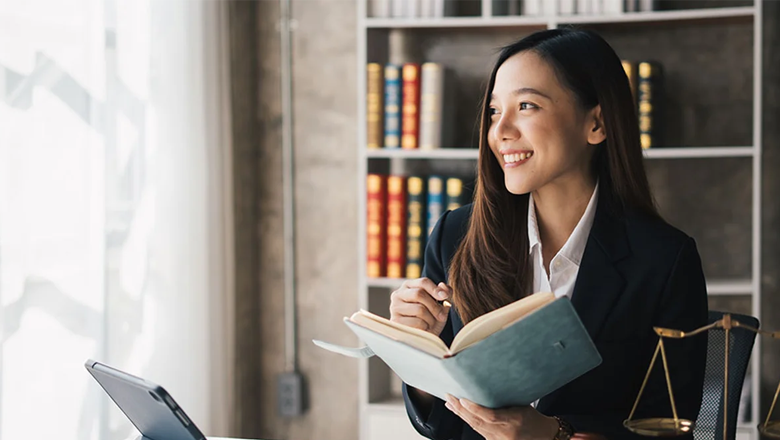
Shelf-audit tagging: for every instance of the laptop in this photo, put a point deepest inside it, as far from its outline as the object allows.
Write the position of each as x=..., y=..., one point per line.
x=148, y=406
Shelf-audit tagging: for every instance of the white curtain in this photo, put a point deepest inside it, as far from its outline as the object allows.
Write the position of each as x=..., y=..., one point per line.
x=115, y=211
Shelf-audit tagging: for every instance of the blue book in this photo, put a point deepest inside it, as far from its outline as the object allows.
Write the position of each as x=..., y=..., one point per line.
x=392, y=106
x=435, y=201
x=511, y=356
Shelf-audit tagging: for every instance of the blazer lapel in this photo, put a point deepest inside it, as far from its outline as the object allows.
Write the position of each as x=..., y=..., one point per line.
x=599, y=282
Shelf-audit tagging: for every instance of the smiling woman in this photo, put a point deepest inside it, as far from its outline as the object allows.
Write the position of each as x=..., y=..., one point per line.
x=562, y=204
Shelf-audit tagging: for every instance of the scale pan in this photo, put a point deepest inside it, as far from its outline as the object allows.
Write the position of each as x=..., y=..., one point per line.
x=771, y=429
x=659, y=427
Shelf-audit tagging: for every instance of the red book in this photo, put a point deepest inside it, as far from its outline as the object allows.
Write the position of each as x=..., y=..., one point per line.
x=410, y=108
x=396, y=226
x=376, y=226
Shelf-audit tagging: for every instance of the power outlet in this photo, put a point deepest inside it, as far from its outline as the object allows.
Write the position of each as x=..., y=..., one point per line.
x=290, y=394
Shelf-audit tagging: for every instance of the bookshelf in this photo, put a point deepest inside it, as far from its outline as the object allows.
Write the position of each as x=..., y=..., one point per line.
x=464, y=42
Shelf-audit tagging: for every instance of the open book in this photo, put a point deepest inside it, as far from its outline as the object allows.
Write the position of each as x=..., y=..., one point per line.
x=511, y=356
x=471, y=333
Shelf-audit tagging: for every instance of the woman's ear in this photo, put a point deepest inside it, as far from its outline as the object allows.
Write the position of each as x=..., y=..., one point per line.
x=595, y=126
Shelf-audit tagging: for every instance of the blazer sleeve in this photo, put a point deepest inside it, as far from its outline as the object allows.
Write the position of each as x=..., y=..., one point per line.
x=683, y=306
x=439, y=423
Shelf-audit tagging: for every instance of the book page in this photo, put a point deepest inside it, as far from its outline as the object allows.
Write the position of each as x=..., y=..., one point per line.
x=414, y=337
x=489, y=323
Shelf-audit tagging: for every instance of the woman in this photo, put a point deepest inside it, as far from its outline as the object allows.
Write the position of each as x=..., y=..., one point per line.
x=562, y=204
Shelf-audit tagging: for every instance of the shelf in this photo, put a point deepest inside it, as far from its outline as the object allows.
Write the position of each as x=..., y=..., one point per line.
x=698, y=152
x=692, y=15
x=715, y=287
x=704, y=14
x=393, y=403
x=730, y=287
x=652, y=153
x=442, y=153
x=389, y=283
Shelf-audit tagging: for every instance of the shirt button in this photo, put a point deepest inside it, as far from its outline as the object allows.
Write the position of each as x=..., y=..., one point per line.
x=557, y=263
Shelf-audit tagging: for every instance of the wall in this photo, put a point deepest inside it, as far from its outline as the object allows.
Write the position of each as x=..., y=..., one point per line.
x=325, y=106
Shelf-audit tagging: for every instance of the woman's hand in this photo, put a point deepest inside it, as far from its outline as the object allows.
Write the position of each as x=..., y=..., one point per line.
x=520, y=422
x=416, y=304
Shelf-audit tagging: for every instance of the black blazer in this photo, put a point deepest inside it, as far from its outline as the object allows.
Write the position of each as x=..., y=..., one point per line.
x=637, y=272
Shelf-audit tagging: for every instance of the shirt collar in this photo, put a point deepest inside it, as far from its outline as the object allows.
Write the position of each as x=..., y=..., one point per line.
x=575, y=245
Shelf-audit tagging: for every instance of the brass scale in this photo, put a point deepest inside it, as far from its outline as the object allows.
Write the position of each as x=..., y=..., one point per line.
x=667, y=427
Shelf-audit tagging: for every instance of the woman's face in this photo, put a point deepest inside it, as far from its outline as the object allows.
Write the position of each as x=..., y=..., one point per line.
x=538, y=132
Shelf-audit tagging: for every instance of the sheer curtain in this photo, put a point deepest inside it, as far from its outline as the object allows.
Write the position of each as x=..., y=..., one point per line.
x=115, y=211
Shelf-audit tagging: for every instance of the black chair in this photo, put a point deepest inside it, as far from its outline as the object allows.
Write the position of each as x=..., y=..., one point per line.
x=709, y=424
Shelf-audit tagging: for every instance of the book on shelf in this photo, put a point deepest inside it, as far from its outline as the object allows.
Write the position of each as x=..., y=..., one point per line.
x=510, y=356
x=648, y=98
x=454, y=198
x=630, y=68
x=410, y=106
x=567, y=7
x=435, y=201
x=416, y=235
x=375, y=132
x=376, y=225
x=396, y=226
x=379, y=8
x=392, y=106
x=436, y=107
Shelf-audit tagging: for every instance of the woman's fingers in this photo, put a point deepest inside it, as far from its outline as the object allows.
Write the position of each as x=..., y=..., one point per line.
x=414, y=310
x=419, y=299
x=411, y=322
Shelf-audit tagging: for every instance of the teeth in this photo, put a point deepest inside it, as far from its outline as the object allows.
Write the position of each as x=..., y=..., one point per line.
x=512, y=158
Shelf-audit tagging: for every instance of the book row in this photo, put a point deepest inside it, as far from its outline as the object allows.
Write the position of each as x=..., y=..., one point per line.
x=407, y=106
x=401, y=213
x=410, y=106
x=452, y=8
x=645, y=79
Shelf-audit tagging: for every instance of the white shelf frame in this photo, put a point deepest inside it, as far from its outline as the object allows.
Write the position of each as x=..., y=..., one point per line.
x=486, y=21
x=652, y=153
x=744, y=287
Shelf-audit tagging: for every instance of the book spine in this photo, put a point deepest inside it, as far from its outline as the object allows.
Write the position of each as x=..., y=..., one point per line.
x=415, y=241
x=410, y=110
x=630, y=69
x=435, y=201
x=566, y=7
x=431, y=103
x=532, y=7
x=376, y=225
x=392, y=106
x=454, y=193
x=648, y=73
x=396, y=226
x=613, y=7
x=374, y=129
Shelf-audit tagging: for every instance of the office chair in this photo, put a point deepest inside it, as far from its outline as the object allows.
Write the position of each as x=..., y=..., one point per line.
x=709, y=424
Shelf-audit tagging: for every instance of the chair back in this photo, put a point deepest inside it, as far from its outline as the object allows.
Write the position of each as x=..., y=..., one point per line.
x=709, y=424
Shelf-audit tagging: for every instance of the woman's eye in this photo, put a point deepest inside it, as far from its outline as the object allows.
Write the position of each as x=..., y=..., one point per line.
x=527, y=106
x=492, y=111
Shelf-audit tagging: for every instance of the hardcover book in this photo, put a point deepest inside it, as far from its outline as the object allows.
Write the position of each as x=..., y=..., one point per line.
x=511, y=356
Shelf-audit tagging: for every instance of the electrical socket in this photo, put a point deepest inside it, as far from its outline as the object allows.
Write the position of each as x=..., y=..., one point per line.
x=290, y=394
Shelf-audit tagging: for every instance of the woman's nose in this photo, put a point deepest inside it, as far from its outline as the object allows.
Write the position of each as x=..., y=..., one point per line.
x=505, y=129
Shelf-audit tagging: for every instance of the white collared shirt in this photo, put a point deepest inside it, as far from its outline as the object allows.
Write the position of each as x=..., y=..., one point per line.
x=566, y=263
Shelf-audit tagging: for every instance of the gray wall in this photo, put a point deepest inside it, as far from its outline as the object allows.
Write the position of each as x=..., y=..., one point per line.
x=709, y=199
x=325, y=108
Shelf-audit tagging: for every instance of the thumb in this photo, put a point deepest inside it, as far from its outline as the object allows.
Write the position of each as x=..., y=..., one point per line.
x=447, y=289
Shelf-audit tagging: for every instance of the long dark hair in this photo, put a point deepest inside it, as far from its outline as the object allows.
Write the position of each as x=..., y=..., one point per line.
x=491, y=266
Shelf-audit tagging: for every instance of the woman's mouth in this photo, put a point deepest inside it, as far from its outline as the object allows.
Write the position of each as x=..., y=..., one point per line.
x=517, y=159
